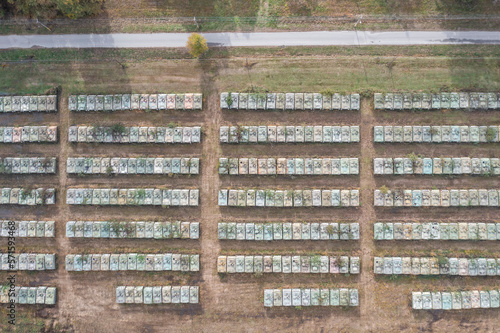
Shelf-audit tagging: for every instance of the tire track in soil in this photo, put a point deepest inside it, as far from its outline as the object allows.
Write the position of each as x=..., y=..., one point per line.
x=210, y=213
x=64, y=285
x=367, y=185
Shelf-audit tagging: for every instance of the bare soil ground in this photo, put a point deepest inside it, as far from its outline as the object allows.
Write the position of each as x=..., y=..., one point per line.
x=86, y=301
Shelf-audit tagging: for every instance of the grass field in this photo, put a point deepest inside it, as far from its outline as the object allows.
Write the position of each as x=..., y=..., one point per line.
x=362, y=69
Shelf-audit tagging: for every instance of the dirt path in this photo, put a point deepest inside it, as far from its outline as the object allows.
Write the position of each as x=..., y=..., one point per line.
x=209, y=185
x=64, y=285
x=367, y=185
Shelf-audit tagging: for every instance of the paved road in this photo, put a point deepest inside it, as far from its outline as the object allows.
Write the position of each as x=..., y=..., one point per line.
x=312, y=38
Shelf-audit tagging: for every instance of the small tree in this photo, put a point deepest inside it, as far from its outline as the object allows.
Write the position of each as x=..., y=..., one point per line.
x=197, y=45
x=330, y=230
x=413, y=157
x=490, y=134
x=118, y=128
x=384, y=189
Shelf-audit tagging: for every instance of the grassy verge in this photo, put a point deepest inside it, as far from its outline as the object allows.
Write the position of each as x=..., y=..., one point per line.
x=360, y=69
x=146, y=55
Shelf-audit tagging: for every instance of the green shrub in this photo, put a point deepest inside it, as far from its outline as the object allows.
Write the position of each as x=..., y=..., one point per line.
x=384, y=189
x=118, y=128
x=229, y=100
x=490, y=134
x=75, y=9
x=72, y=9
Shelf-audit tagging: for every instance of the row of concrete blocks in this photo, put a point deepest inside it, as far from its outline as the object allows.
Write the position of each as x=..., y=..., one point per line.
x=436, y=198
x=289, y=134
x=132, y=197
x=311, y=297
x=28, y=165
x=122, y=229
x=436, y=166
x=289, y=101
x=28, y=134
x=27, y=262
x=43, y=103
x=106, y=134
x=288, y=166
x=135, y=102
x=27, y=229
x=437, y=266
x=288, y=231
x=436, y=134
x=455, y=300
x=288, y=264
x=28, y=295
x=289, y=198
x=157, y=295
x=436, y=231
x=133, y=165
x=436, y=101
x=27, y=197
x=133, y=262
